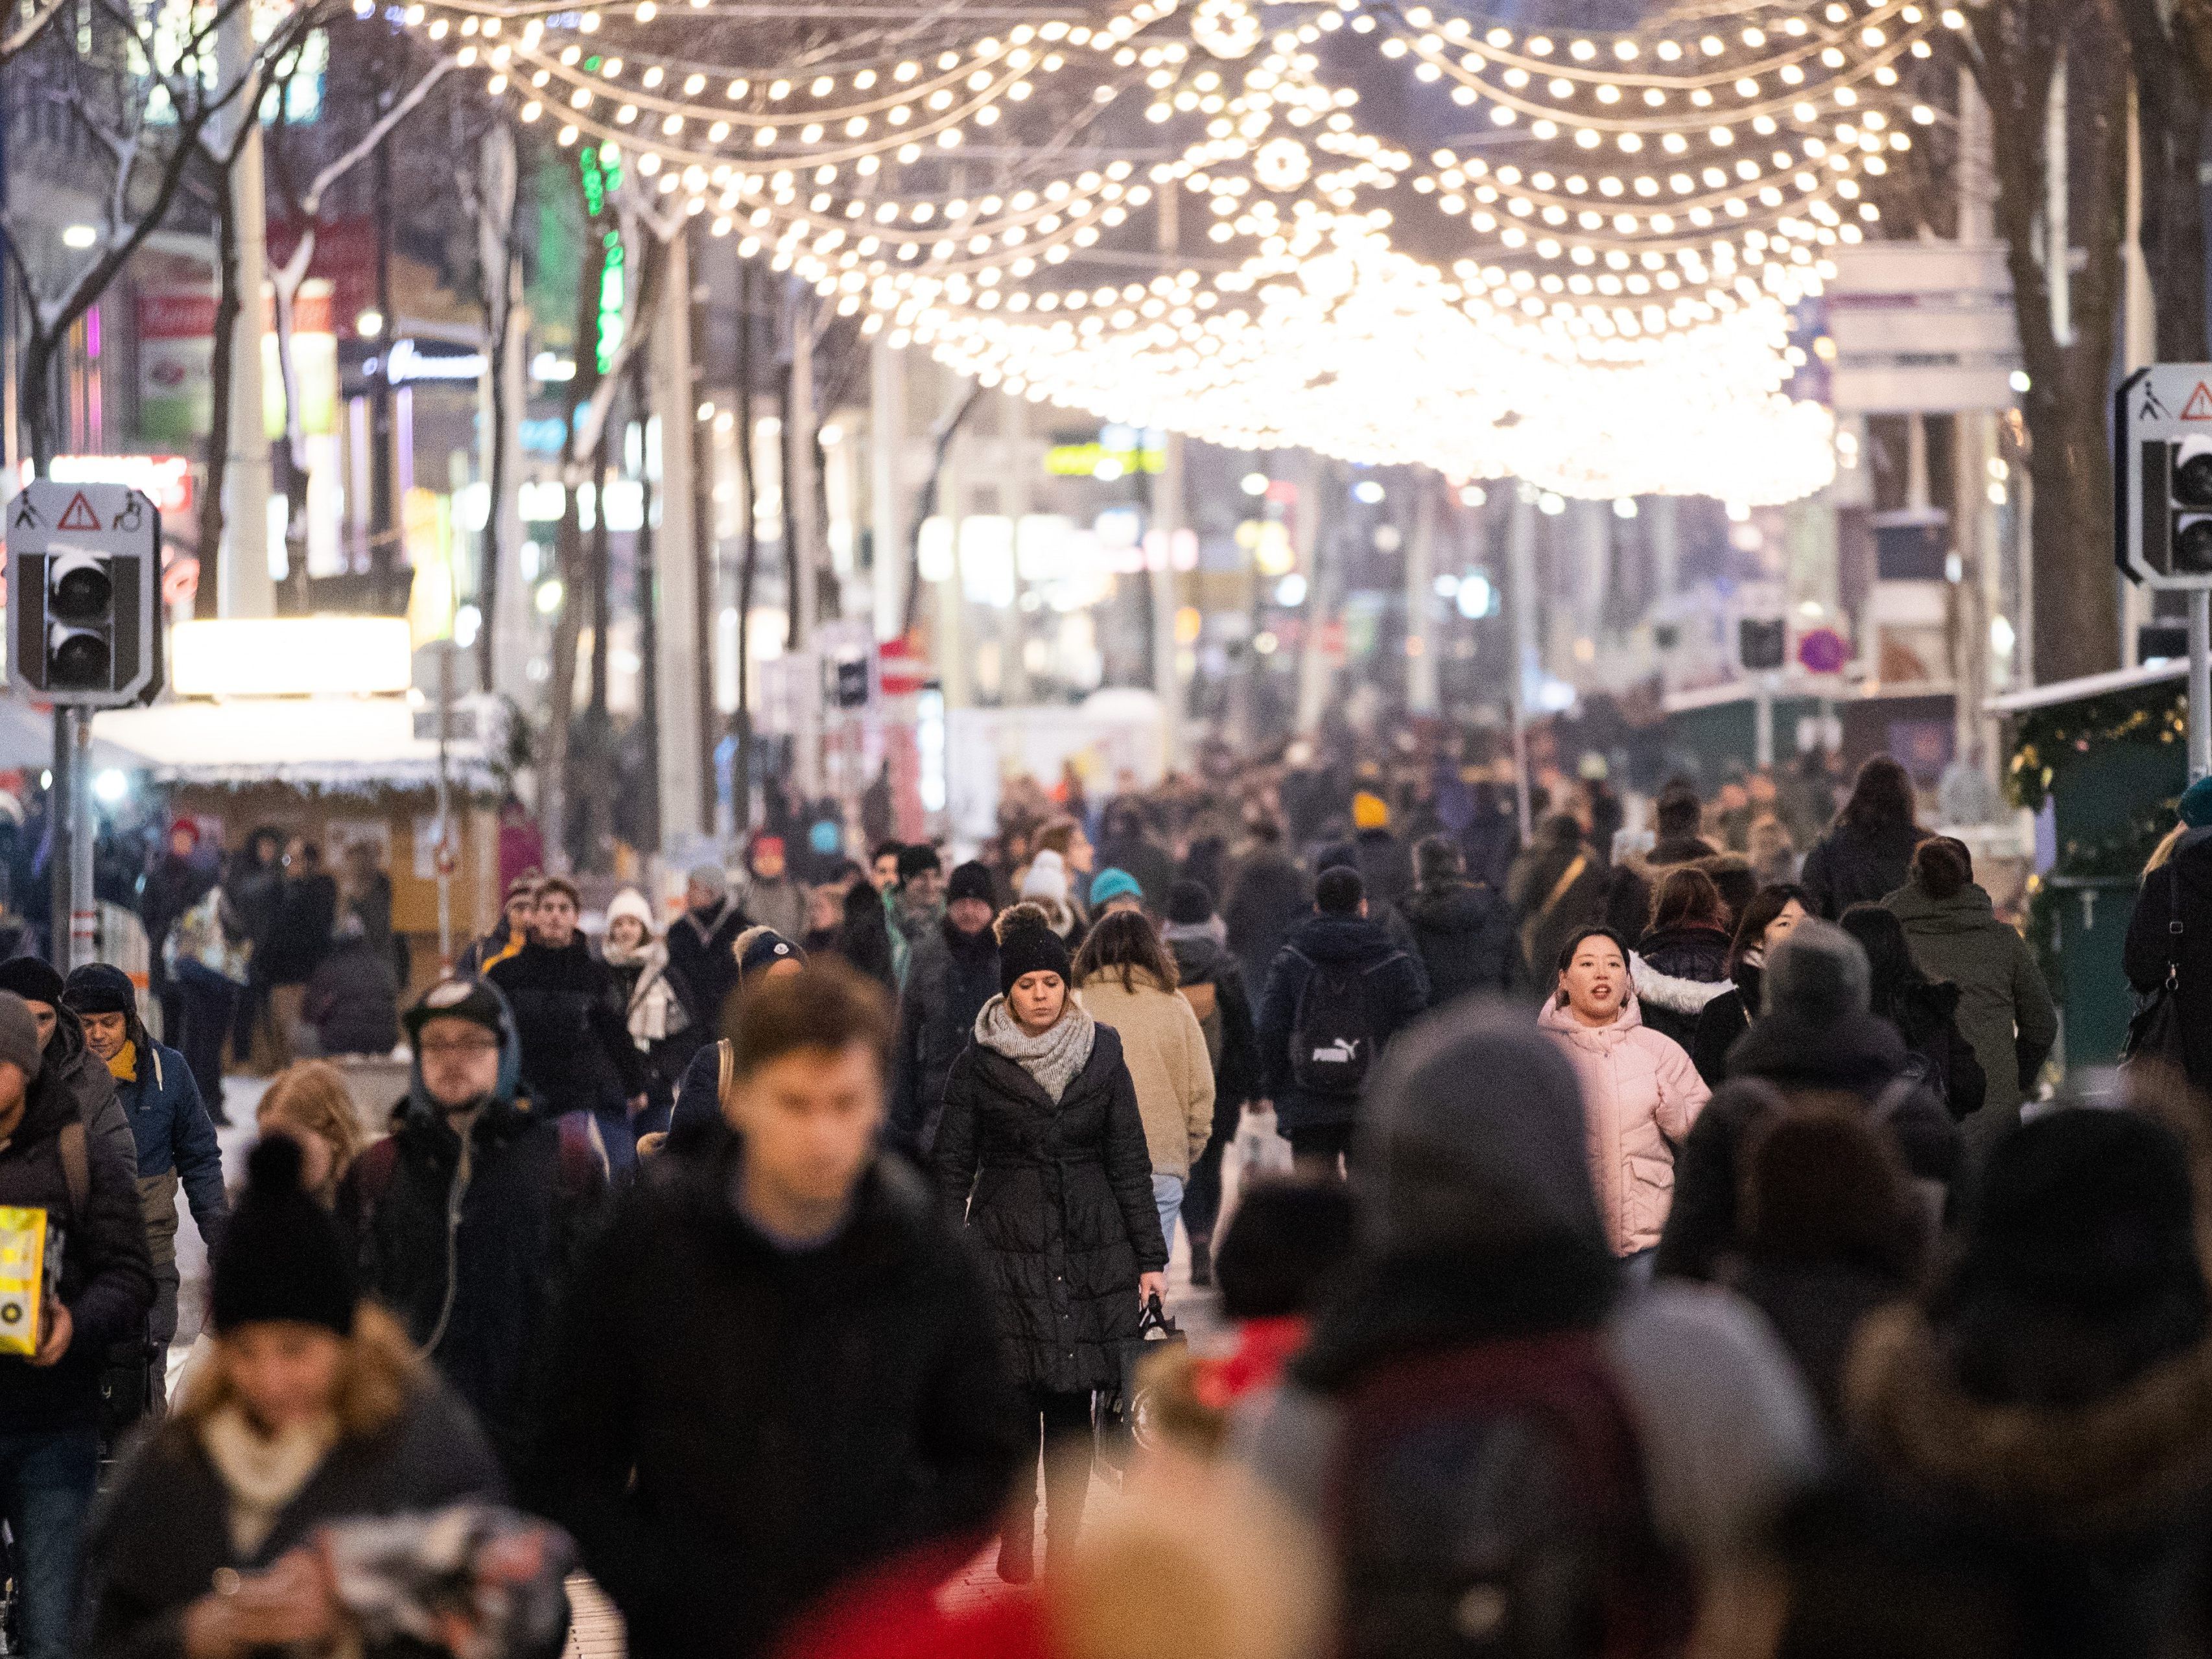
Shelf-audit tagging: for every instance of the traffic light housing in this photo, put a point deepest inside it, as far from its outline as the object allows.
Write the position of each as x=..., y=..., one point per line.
x=2175, y=498
x=1762, y=642
x=84, y=595
x=2162, y=475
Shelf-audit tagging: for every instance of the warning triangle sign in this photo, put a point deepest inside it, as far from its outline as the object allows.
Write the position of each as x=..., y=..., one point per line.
x=2199, y=406
x=79, y=515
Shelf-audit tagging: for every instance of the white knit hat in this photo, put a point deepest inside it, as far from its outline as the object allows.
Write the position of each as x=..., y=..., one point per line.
x=631, y=902
x=1046, y=879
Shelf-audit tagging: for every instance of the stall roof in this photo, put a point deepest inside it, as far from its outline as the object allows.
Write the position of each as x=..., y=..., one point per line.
x=311, y=743
x=26, y=741
x=1801, y=688
x=2089, y=685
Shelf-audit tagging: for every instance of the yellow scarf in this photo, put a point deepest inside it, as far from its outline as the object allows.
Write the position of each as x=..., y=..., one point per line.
x=124, y=1068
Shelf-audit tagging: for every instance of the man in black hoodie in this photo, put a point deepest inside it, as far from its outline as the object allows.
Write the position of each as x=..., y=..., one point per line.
x=953, y=972
x=1337, y=992
x=1462, y=929
x=469, y=1213
x=577, y=1054
x=50, y=1399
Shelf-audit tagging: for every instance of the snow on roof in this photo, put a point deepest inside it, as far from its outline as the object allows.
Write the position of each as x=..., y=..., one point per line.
x=313, y=743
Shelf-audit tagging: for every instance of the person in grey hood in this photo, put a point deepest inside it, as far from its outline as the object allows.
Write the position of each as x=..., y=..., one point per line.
x=1212, y=983
x=1482, y=1280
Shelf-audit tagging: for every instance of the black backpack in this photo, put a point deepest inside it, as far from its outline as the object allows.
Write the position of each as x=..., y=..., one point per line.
x=1334, y=1035
x=1488, y=1502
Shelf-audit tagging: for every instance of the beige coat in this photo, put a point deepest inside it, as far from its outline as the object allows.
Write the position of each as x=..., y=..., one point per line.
x=1166, y=1050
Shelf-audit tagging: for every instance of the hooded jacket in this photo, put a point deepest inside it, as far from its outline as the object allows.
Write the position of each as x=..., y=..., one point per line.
x=1464, y=933
x=949, y=978
x=2004, y=1007
x=1396, y=989
x=1208, y=973
x=472, y=1260
x=740, y=1427
x=353, y=998
x=1695, y=951
x=1852, y=1060
x=106, y=1276
x=1267, y=896
x=1481, y=1226
x=1640, y=1097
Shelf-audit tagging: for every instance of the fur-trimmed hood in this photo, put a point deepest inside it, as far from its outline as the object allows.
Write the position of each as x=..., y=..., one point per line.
x=2123, y=1463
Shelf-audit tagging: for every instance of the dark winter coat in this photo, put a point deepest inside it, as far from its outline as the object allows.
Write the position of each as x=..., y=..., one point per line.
x=1724, y=1019
x=2004, y=1007
x=577, y=1054
x=255, y=893
x=666, y=1057
x=1541, y=922
x=865, y=940
x=172, y=887
x=1692, y=951
x=1232, y=1040
x=1492, y=841
x=1463, y=931
x=1851, y=1061
x=1925, y=1016
x=701, y=950
x=737, y=1426
x=2149, y=942
x=1816, y=1308
x=107, y=1278
x=1630, y=884
x=307, y=913
x=1851, y=866
x=1268, y=896
x=1397, y=992
x=525, y=1207
x=173, y=1133
x=1386, y=868
x=1060, y=1199
x=949, y=978
x=2034, y=1528
x=1151, y=864
x=353, y=1001
x=162, y=1533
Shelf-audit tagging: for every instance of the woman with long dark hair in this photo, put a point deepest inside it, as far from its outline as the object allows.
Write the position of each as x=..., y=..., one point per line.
x=1925, y=1011
x=1765, y=923
x=1688, y=938
x=1865, y=856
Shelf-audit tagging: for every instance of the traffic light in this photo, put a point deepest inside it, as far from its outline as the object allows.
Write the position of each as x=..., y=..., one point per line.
x=84, y=587
x=2163, y=475
x=1763, y=642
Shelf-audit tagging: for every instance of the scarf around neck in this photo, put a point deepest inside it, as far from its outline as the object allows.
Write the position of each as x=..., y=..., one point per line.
x=1052, y=1057
x=262, y=1475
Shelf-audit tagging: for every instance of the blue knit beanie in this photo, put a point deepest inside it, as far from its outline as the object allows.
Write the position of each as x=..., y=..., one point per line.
x=2197, y=803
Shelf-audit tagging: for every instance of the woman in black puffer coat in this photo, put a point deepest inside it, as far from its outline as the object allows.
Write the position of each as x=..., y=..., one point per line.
x=1042, y=1152
x=1688, y=938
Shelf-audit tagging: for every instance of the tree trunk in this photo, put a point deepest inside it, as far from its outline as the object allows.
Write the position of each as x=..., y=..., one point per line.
x=741, y=784
x=285, y=287
x=488, y=574
x=788, y=519
x=2169, y=119
x=2020, y=43
x=207, y=601
x=706, y=566
x=560, y=687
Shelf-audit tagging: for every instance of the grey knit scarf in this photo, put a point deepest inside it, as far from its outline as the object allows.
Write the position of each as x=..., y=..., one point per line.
x=1053, y=1057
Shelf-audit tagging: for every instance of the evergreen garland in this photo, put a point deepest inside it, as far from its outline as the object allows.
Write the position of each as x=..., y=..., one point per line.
x=2043, y=738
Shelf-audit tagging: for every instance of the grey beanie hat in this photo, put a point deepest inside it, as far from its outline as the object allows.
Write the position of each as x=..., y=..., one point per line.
x=1818, y=973
x=1475, y=1138
x=19, y=1036
x=708, y=875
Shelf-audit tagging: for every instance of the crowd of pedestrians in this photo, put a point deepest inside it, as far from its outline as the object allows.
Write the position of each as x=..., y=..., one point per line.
x=1640, y=1240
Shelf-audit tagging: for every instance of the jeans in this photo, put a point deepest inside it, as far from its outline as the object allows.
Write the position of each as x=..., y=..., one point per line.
x=1166, y=1194
x=1202, y=1193
x=46, y=1481
x=1636, y=1267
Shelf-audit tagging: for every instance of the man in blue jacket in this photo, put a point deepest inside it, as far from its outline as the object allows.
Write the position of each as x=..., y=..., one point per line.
x=170, y=1122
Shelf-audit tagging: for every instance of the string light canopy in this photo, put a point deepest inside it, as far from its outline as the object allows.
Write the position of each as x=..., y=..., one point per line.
x=1593, y=269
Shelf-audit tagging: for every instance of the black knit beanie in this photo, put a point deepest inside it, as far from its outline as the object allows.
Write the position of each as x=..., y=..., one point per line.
x=281, y=1255
x=1189, y=905
x=971, y=880
x=1029, y=949
x=33, y=979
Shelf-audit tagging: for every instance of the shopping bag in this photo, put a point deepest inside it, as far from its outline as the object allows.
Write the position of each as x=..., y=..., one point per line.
x=27, y=1268
x=1261, y=1148
x=1125, y=1416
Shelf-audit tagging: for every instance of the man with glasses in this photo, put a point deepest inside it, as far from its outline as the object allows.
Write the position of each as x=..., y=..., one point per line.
x=469, y=1214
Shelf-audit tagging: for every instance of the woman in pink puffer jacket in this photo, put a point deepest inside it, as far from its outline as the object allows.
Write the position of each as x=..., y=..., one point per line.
x=1640, y=1092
